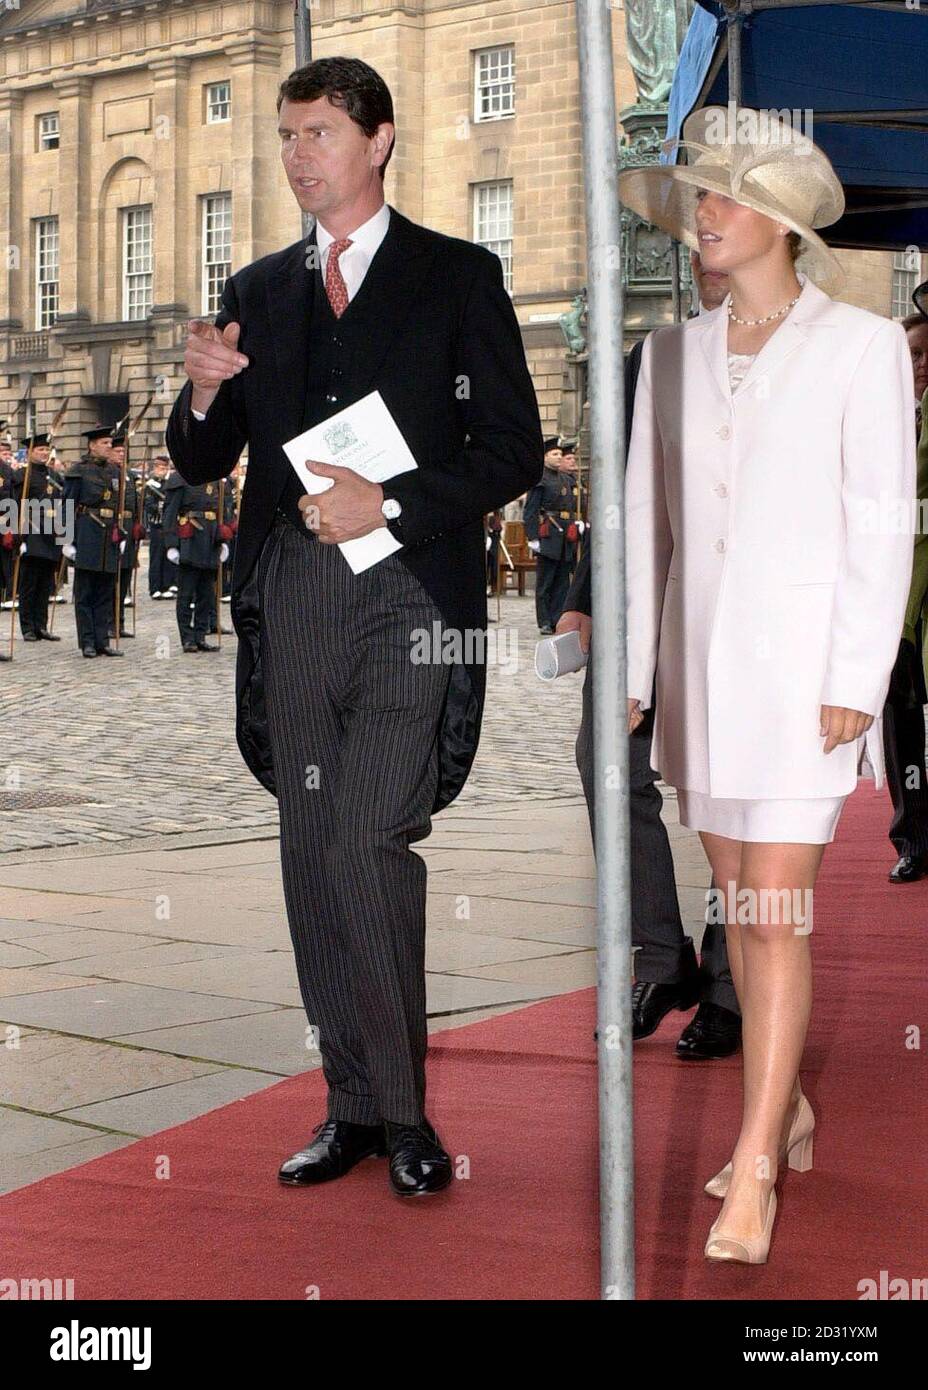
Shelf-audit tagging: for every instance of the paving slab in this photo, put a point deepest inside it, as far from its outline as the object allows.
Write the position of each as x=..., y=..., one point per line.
x=108, y=1010
x=147, y=1112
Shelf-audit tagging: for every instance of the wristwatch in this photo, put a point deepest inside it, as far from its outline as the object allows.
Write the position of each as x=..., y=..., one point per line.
x=392, y=510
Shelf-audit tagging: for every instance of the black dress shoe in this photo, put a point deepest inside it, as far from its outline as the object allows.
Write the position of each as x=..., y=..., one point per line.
x=30, y=637
x=207, y=647
x=909, y=868
x=48, y=636
x=109, y=651
x=419, y=1165
x=335, y=1149
x=650, y=1003
x=714, y=1032
x=190, y=647
x=89, y=651
x=546, y=630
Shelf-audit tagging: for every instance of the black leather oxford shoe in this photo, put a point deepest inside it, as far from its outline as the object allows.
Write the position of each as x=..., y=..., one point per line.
x=109, y=651
x=89, y=651
x=48, y=636
x=909, y=868
x=419, y=1165
x=650, y=1003
x=207, y=647
x=714, y=1032
x=336, y=1147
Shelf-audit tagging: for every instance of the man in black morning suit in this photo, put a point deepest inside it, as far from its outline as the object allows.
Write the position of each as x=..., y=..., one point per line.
x=360, y=742
x=667, y=975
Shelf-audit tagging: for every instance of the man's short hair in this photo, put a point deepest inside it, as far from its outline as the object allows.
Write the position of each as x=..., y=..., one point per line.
x=914, y=321
x=349, y=83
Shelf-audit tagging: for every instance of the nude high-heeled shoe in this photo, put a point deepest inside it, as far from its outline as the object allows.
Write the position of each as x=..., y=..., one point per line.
x=796, y=1153
x=744, y=1251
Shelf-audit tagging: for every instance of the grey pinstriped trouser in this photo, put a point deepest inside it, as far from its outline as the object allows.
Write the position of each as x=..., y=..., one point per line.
x=344, y=698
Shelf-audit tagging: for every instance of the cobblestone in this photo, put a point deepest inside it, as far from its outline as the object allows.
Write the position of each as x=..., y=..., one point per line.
x=148, y=742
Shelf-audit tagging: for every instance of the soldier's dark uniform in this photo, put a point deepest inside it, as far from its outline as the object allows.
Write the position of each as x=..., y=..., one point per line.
x=131, y=527
x=7, y=531
x=551, y=507
x=227, y=536
x=162, y=575
x=191, y=526
x=92, y=486
x=38, y=564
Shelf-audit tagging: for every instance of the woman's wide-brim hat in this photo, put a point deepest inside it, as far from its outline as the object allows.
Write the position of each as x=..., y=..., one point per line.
x=758, y=160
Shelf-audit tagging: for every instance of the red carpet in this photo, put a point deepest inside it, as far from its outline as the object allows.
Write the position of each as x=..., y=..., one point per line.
x=515, y=1098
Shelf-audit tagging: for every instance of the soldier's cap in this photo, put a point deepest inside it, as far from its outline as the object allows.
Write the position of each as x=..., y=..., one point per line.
x=34, y=439
x=569, y=446
x=119, y=440
x=552, y=444
x=98, y=432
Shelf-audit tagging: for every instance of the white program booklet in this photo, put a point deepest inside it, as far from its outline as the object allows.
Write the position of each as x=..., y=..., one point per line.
x=366, y=438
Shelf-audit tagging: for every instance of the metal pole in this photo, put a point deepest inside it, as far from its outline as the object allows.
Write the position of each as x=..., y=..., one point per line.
x=303, y=50
x=735, y=21
x=607, y=454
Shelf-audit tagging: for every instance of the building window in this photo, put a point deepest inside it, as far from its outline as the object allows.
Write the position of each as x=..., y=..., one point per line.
x=49, y=129
x=906, y=278
x=493, y=223
x=137, y=263
x=494, y=83
x=218, y=102
x=217, y=248
x=46, y=271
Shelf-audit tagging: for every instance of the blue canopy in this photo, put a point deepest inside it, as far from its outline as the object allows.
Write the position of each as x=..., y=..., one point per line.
x=862, y=72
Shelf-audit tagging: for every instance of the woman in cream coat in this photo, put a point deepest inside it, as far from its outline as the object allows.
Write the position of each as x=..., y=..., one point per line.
x=769, y=549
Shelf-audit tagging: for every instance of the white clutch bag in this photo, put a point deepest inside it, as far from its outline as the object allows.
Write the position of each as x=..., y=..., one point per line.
x=558, y=656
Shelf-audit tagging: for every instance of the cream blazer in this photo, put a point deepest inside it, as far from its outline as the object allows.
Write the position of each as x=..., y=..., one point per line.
x=769, y=545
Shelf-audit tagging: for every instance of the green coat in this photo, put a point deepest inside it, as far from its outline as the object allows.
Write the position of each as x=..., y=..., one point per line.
x=916, y=612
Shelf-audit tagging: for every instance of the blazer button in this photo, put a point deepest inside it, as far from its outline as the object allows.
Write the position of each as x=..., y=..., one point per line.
x=724, y=432
x=720, y=546
x=722, y=490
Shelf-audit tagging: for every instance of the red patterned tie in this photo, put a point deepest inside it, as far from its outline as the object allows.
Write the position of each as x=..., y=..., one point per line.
x=335, y=286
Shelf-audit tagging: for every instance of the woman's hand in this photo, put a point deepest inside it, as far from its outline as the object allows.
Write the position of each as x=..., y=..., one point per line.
x=635, y=717
x=840, y=725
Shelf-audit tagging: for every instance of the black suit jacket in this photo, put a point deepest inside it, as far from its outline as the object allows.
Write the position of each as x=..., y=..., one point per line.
x=446, y=355
x=580, y=595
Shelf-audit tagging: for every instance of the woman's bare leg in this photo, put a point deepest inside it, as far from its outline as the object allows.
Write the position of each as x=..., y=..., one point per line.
x=776, y=1001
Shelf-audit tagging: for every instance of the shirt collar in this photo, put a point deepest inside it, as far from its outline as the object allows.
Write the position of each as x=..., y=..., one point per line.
x=368, y=236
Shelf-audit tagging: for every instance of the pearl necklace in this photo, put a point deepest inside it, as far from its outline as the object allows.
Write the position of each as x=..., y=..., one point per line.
x=769, y=318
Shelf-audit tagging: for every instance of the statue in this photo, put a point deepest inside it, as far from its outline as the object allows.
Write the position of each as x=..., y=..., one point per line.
x=570, y=323
x=654, y=32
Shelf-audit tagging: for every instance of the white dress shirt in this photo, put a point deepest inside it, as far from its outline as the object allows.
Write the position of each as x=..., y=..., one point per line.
x=354, y=261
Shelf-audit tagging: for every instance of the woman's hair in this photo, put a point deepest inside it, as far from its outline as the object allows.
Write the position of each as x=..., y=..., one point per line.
x=349, y=83
x=794, y=245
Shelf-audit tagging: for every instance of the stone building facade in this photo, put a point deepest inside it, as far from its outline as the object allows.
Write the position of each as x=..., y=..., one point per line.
x=139, y=165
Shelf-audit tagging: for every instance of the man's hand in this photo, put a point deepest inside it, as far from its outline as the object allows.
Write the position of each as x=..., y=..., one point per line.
x=211, y=358
x=572, y=621
x=635, y=717
x=348, y=509
x=69, y=552
x=534, y=546
x=174, y=555
x=840, y=725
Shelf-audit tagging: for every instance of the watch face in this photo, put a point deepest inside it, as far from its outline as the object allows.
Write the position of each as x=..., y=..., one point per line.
x=391, y=509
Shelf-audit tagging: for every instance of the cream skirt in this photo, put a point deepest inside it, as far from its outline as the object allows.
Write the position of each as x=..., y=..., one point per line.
x=810, y=821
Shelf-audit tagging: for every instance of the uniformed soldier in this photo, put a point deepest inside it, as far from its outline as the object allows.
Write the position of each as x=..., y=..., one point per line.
x=92, y=487
x=38, y=496
x=194, y=544
x=7, y=530
x=130, y=524
x=553, y=532
x=162, y=575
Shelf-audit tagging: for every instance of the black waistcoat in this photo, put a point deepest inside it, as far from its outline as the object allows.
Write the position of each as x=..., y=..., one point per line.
x=329, y=373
